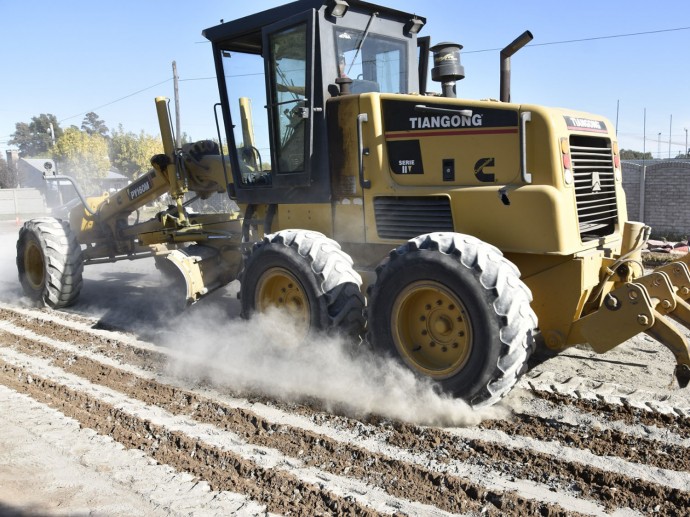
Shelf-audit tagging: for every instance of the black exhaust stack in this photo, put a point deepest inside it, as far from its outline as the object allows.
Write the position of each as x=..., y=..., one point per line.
x=506, y=53
x=447, y=68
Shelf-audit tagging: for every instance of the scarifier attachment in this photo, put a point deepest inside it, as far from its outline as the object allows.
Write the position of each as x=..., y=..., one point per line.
x=669, y=288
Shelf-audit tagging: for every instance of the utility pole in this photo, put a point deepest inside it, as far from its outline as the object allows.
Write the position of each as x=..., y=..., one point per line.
x=687, y=151
x=644, y=134
x=52, y=139
x=658, y=145
x=670, y=124
x=178, y=135
x=618, y=107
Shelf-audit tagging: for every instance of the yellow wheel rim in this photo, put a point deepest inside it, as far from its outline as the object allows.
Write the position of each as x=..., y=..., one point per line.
x=431, y=329
x=279, y=288
x=34, y=266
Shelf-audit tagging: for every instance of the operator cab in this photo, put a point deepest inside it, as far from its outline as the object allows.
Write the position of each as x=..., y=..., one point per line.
x=276, y=70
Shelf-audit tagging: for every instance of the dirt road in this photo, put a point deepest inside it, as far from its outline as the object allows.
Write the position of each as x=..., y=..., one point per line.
x=209, y=416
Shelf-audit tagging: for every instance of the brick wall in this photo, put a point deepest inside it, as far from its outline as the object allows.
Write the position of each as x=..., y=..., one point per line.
x=666, y=196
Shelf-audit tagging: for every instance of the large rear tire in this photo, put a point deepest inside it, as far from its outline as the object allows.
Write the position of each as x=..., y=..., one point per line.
x=452, y=308
x=306, y=274
x=49, y=262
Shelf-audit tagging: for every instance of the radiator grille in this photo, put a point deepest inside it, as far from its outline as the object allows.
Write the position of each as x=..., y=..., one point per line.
x=408, y=217
x=595, y=189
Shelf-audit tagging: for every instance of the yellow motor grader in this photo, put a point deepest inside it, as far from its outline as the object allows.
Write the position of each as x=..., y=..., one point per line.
x=447, y=232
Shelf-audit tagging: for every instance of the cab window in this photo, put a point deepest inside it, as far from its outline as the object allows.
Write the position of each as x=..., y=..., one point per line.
x=375, y=63
x=288, y=68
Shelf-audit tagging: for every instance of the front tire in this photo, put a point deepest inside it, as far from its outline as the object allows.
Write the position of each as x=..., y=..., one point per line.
x=307, y=275
x=452, y=308
x=49, y=262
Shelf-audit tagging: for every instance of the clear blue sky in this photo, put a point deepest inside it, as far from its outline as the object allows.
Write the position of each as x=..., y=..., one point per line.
x=71, y=57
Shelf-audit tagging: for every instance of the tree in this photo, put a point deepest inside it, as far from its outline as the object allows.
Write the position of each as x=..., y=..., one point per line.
x=131, y=153
x=627, y=154
x=83, y=156
x=94, y=125
x=35, y=138
x=8, y=176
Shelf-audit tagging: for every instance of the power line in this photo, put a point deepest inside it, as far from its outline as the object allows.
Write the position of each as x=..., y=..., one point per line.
x=148, y=88
x=594, y=38
x=136, y=93
x=562, y=42
x=116, y=100
x=227, y=76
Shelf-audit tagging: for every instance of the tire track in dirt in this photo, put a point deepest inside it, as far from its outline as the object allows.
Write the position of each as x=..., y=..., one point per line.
x=602, y=442
x=400, y=479
x=605, y=495
x=557, y=469
x=610, y=490
x=627, y=413
x=223, y=469
x=570, y=415
x=97, y=473
x=78, y=330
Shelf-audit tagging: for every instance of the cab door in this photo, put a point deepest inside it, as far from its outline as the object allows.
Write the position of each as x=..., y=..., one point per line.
x=289, y=59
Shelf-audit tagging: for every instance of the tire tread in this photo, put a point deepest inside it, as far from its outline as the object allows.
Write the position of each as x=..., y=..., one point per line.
x=509, y=299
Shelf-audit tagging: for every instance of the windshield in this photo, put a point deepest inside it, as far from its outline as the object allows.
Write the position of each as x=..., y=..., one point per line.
x=375, y=63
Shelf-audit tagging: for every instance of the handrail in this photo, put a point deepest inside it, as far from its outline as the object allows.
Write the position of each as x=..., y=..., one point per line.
x=76, y=189
x=361, y=118
x=525, y=117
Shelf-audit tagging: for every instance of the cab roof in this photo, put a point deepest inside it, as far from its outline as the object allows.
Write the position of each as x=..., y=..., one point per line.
x=244, y=34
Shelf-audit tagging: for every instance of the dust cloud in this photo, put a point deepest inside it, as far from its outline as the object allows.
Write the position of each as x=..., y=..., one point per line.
x=264, y=356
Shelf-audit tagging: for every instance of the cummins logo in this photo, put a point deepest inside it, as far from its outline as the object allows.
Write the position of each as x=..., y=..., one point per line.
x=446, y=121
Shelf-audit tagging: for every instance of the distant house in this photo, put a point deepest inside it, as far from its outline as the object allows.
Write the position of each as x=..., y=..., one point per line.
x=32, y=172
x=114, y=181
